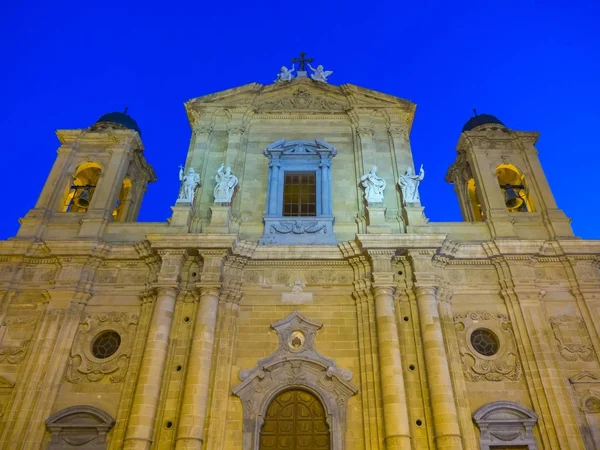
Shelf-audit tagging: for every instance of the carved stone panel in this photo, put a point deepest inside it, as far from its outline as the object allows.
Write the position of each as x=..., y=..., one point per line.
x=16, y=333
x=479, y=365
x=91, y=361
x=295, y=364
x=572, y=338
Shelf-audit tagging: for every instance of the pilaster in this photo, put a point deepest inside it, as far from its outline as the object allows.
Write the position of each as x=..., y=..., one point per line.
x=545, y=380
x=395, y=408
x=443, y=403
x=194, y=406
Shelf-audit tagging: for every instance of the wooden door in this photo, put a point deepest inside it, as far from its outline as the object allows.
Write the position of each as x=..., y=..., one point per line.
x=295, y=420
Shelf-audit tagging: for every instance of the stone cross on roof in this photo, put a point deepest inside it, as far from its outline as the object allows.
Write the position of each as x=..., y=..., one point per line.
x=302, y=60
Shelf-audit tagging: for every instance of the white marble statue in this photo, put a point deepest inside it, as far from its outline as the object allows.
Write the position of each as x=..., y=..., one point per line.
x=319, y=74
x=374, y=186
x=189, y=183
x=409, y=184
x=285, y=74
x=226, y=183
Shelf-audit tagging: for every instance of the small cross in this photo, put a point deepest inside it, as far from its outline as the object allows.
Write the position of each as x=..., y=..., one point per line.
x=302, y=60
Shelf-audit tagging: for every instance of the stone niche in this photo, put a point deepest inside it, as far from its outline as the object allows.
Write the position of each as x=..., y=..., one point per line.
x=295, y=364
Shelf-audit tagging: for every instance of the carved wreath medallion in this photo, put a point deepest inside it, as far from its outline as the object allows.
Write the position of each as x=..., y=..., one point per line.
x=503, y=364
x=84, y=366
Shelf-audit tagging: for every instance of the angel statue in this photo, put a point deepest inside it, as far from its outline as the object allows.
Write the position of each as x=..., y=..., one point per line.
x=285, y=74
x=189, y=183
x=374, y=186
x=409, y=184
x=226, y=183
x=319, y=74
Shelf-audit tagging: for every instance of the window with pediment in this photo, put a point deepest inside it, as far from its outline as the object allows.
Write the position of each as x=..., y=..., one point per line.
x=299, y=205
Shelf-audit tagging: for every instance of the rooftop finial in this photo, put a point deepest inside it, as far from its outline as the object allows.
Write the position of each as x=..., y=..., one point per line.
x=126, y=108
x=475, y=112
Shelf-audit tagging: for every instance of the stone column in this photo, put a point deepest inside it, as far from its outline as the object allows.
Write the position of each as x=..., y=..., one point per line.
x=140, y=428
x=147, y=393
x=192, y=419
x=445, y=416
x=395, y=409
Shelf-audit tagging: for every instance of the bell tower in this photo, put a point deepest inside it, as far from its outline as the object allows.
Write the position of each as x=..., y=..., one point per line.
x=99, y=176
x=499, y=180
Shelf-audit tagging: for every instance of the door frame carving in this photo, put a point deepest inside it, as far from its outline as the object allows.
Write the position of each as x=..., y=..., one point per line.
x=295, y=364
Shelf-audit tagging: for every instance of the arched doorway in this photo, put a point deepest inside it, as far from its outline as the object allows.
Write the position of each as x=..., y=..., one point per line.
x=295, y=420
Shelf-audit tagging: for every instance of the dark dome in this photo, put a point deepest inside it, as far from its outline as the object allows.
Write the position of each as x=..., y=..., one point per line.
x=481, y=119
x=118, y=118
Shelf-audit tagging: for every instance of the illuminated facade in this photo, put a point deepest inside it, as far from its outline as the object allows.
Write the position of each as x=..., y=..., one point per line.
x=297, y=315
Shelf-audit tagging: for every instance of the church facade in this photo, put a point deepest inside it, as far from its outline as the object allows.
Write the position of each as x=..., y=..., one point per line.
x=298, y=298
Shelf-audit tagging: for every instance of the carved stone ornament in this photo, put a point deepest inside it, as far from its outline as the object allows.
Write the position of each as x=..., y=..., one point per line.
x=572, y=338
x=505, y=424
x=504, y=364
x=302, y=98
x=295, y=364
x=18, y=332
x=83, y=366
x=79, y=426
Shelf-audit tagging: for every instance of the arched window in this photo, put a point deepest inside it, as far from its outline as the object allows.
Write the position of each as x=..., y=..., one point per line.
x=78, y=194
x=476, y=208
x=120, y=211
x=514, y=187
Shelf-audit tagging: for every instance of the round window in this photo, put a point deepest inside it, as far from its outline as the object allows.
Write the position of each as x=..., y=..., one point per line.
x=106, y=344
x=485, y=342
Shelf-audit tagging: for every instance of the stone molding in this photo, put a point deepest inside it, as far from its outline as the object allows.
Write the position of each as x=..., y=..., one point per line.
x=504, y=424
x=295, y=364
x=79, y=426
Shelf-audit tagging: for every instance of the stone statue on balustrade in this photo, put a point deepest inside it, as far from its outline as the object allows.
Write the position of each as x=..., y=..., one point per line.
x=319, y=74
x=409, y=184
x=226, y=183
x=189, y=183
x=285, y=74
x=374, y=186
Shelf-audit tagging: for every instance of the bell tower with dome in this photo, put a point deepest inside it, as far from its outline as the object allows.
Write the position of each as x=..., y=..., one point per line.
x=99, y=176
x=499, y=180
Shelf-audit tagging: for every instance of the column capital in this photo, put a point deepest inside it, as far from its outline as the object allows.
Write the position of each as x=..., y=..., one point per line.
x=425, y=289
x=167, y=289
x=213, y=289
x=383, y=290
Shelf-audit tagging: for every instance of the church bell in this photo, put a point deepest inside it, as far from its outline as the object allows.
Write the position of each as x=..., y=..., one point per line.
x=83, y=199
x=512, y=200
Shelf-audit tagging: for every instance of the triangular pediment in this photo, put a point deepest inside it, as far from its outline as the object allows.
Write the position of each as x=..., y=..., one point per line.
x=584, y=377
x=6, y=383
x=300, y=93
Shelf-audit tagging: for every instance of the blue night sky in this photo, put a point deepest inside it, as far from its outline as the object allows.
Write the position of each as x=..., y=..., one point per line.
x=536, y=66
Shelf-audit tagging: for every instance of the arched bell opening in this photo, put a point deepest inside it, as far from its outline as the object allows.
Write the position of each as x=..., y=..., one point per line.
x=295, y=419
x=476, y=207
x=82, y=185
x=122, y=205
x=514, y=188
